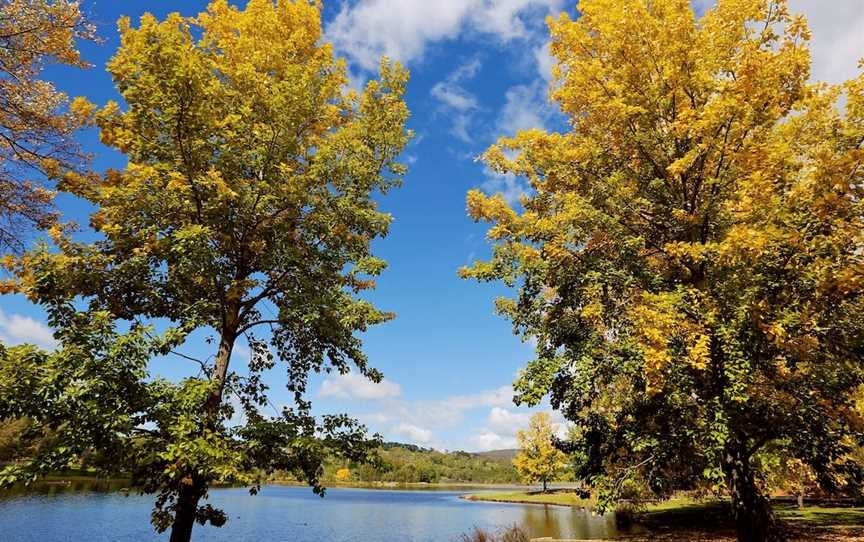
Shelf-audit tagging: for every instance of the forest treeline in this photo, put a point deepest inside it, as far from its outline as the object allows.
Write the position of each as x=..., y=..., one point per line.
x=395, y=462
x=407, y=464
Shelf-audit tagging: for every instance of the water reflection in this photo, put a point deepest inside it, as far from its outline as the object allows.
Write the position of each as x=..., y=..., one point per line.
x=560, y=522
x=551, y=521
x=62, y=487
x=54, y=513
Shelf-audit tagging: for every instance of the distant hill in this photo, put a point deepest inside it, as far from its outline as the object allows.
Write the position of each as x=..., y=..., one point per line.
x=402, y=445
x=398, y=462
x=506, y=455
x=493, y=455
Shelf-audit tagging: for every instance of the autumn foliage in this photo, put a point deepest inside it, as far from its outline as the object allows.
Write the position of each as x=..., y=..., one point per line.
x=690, y=257
x=36, y=123
x=538, y=460
x=246, y=212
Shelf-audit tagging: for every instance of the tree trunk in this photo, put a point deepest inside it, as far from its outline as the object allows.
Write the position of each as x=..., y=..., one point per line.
x=187, y=503
x=184, y=514
x=801, y=500
x=223, y=359
x=754, y=519
x=544, y=485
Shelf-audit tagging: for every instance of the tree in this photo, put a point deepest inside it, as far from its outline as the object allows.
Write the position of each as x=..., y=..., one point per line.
x=343, y=474
x=783, y=472
x=689, y=256
x=35, y=132
x=538, y=459
x=245, y=210
x=11, y=442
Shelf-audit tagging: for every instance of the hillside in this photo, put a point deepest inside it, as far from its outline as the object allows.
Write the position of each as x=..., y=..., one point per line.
x=503, y=455
x=407, y=463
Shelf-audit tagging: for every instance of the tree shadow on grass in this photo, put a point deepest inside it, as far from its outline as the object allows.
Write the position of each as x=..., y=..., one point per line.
x=709, y=516
x=810, y=523
x=821, y=516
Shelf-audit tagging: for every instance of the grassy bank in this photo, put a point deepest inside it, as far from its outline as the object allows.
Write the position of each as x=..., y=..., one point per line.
x=682, y=518
x=521, y=497
x=430, y=486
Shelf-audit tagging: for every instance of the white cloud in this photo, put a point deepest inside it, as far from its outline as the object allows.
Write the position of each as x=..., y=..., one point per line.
x=18, y=329
x=490, y=440
x=456, y=102
x=838, y=37
x=498, y=397
x=427, y=422
x=451, y=93
x=449, y=411
x=509, y=19
x=454, y=97
x=504, y=421
x=434, y=422
x=508, y=185
x=412, y=432
x=402, y=29
x=422, y=420
x=545, y=61
x=357, y=386
x=526, y=107
x=399, y=29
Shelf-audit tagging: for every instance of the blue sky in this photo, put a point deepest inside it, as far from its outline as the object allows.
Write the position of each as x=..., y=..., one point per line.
x=479, y=70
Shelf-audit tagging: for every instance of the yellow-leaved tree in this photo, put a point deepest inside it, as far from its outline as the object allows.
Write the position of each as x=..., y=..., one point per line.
x=343, y=474
x=35, y=128
x=538, y=460
x=690, y=255
x=247, y=212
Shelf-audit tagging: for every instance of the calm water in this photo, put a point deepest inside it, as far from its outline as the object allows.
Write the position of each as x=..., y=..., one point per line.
x=77, y=513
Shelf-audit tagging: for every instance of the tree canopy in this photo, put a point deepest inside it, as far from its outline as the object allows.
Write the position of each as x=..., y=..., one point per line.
x=690, y=255
x=246, y=211
x=35, y=128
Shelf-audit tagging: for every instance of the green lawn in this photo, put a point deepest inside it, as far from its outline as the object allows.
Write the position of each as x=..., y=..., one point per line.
x=819, y=515
x=573, y=499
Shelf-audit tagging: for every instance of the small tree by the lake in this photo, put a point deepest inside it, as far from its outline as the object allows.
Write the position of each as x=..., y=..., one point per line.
x=538, y=460
x=246, y=211
x=688, y=258
x=343, y=475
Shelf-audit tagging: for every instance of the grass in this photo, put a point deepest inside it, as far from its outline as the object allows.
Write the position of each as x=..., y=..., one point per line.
x=557, y=499
x=819, y=515
x=683, y=518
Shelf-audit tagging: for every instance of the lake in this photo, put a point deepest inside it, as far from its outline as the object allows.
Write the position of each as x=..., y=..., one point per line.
x=77, y=513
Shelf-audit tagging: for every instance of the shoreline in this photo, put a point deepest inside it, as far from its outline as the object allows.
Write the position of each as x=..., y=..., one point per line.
x=477, y=498
x=559, y=497
x=61, y=479
x=438, y=486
